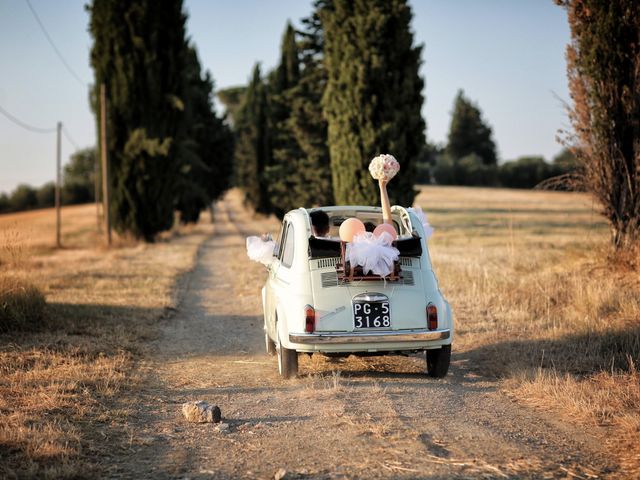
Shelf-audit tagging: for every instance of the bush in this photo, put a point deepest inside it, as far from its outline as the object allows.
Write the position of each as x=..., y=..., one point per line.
x=5, y=203
x=525, y=172
x=473, y=171
x=23, y=197
x=46, y=195
x=22, y=305
x=76, y=193
x=469, y=170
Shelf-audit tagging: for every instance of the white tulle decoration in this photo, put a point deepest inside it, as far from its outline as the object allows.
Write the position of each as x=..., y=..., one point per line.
x=428, y=229
x=260, y=250
x=384, y=167
x=373, y=254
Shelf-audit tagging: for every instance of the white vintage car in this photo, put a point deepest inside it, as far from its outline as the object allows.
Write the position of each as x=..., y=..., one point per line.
x=314, y=301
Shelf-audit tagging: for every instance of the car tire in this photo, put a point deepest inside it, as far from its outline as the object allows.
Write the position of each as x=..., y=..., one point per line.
x=287, y=362
x=269, y=345
x=438, y=361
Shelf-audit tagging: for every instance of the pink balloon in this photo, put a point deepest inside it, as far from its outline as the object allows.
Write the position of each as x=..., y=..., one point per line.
x=385, y=227
x=349, y=228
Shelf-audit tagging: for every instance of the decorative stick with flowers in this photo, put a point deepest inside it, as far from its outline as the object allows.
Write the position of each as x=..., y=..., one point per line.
x=383, y=168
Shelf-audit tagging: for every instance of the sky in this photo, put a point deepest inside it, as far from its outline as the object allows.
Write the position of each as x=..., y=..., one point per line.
x=507, y=55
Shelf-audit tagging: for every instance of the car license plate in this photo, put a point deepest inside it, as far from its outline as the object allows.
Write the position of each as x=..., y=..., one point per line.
x=371, y=315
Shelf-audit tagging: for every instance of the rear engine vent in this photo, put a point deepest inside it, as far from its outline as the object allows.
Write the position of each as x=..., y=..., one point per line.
x=407, y=277
x=406, y=261
x=328, y=262
x=329, y=279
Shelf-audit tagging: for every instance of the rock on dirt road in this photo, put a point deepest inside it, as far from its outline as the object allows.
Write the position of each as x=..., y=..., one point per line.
x=348, y=418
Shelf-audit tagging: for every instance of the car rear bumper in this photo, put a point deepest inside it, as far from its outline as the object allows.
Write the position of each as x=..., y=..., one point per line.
x=369, y=337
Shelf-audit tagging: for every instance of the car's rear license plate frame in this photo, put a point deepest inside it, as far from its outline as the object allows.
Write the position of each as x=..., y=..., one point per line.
x=371, y=315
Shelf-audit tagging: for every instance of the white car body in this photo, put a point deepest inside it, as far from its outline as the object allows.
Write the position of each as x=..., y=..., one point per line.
x=297, y=281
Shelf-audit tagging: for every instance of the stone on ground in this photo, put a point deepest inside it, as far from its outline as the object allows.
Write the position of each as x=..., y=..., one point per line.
x=201, y=412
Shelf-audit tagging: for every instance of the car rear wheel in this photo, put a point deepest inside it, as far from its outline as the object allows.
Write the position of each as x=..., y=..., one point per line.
x=269, y=345
x=287, y=362
x=438, y=361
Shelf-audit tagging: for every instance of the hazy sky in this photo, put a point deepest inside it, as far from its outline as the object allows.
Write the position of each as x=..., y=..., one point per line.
x=508, y=56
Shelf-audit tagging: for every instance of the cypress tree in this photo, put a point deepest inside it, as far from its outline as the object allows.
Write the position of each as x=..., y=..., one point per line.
x=469, y=134
x=300, y=173
x=373, y=96
x=206, y=145
x=252, y=152
x=232, y=99
x=603, y=64
x=280, y=175
x=138, y=53
x=311, y=183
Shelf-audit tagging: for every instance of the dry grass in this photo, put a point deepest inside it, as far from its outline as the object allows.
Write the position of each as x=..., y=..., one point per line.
x=536, y=302
x=526, y=273
x=22, y=305
x=60, y=387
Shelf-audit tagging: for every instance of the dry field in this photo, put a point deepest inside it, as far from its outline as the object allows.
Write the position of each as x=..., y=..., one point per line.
x=59, y=382
x=535, y=302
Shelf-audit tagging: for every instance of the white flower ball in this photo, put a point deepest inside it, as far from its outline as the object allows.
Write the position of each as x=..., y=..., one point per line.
x=384, y=167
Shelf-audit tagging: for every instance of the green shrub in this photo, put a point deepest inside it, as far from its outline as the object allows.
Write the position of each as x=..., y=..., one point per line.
x=23, y=198
x=22, y=305
x=525, y=172
x=469, y=170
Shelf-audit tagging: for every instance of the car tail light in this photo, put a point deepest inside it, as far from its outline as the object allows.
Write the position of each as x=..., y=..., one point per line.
x=432, y=317
x=309, y=319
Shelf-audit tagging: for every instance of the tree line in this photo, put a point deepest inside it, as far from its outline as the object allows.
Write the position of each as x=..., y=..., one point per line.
x=470, y=157
x=168, y=149
x=77, y=187
x=346, y=89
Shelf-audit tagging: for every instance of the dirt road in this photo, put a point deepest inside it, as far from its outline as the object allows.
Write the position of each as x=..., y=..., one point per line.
x=353, y=418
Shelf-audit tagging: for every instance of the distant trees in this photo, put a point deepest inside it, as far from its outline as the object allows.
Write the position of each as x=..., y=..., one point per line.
x=346, y=89
x=24, y=197
x=373, y=96
x=299, y=173
x=603, y=64
x=282, y=157
x=280, y=173
x=310, y=175
x=469, y=133
x=206, y=145
x=77, y=187
x=78, y=180
x=253, y=150
x=164, y=140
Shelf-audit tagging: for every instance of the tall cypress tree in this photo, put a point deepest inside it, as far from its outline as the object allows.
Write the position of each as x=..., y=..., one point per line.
x=138, y=53
x=468, y=133
x=252, y=152
x=373, y=97
x=312, y=183
x=206, y=145
x=300, y=173
x=603, y=65
x=281, y=173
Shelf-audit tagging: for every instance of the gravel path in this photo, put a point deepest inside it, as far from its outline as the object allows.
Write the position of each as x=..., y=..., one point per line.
x=348, y=418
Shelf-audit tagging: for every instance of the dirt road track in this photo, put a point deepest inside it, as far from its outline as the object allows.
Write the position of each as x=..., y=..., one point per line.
x=354, y=418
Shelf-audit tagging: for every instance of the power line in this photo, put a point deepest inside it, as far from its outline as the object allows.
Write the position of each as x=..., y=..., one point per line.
x=24, y=125
x=53, y=45
x=68, y=137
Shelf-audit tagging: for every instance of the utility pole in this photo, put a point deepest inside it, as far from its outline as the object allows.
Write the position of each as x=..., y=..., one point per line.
x=58, y=226
x=105, y=164
x=96, y=186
